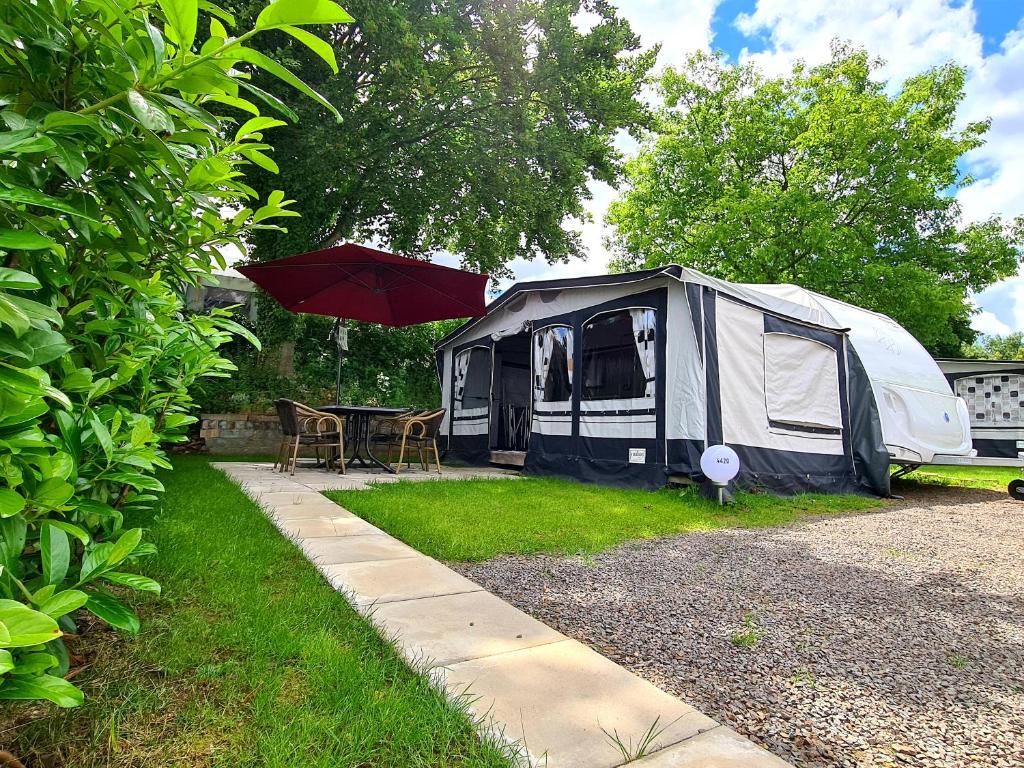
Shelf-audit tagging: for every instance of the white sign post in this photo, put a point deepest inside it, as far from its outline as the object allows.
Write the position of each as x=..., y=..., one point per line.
x=719, y=463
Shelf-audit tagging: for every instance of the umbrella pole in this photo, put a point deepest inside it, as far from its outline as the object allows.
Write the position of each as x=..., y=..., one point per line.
x=341, y=344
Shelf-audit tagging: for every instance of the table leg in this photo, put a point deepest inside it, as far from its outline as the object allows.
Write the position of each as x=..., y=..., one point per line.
x=361, y=446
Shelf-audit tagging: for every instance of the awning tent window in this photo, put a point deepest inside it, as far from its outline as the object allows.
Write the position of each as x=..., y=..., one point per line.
x=552, y=364
x=473, y=378
x=801, y=384
x=619, y=356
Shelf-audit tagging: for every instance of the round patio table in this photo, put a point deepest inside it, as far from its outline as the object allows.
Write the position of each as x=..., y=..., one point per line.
x=359, y=416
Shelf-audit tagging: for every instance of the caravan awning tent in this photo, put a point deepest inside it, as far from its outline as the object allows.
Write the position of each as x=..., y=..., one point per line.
x=627, y=378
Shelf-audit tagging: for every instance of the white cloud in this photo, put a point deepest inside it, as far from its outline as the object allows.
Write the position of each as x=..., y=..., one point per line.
x=987, y=323
x=910, y=35
x=996, y=90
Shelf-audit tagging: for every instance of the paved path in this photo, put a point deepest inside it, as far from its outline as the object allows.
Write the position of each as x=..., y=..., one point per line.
x=558, y=702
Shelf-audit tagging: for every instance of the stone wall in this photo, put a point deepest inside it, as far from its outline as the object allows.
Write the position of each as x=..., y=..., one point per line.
x=240, y=433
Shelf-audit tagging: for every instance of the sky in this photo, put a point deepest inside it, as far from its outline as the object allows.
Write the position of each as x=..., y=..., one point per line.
x=985, y=36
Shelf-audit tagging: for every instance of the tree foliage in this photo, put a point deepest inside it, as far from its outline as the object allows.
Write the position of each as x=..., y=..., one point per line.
x=117, y=162
x=1008, y=347
x=383, y=366
x=824, y=178
x=471, y=127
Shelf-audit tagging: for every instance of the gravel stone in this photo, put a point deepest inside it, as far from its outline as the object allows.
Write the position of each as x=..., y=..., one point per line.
x=891, y=638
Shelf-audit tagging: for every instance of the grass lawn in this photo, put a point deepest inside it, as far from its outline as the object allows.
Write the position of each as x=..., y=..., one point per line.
x=471, y=520
x=990, y=478
x=248, y=659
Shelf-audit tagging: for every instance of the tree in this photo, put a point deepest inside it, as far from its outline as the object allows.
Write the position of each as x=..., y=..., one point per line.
x=472, y=127
x=823, y=178
x=118, y=159
x=1008, y=347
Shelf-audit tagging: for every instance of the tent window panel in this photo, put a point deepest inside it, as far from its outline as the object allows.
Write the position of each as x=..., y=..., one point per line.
x=552, y=364
x=619, y=355
x=473, y=378
x=801, y=384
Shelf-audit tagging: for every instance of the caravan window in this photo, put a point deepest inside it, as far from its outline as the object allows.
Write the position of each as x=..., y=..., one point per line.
x=619, y=355
x=801, y=384
x=473, y=378
x=552, y=364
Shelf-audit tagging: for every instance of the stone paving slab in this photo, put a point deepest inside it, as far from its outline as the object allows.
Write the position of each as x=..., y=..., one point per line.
x=452, y=628
x=356, y=549
x=386, y=581
x=720, y=747
x=568, y=704
x=555, y=701
x=324, y=527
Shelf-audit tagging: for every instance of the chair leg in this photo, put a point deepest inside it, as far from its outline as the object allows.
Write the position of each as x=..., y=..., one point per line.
x=280, y=452
x=401, y=455
x=295, y=455
x=437, y=457
x=341, y=453
x=286, y=447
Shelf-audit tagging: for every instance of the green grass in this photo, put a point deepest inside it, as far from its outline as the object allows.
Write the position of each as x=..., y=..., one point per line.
x=988, y=478
x=471, y=520
x=248, y=659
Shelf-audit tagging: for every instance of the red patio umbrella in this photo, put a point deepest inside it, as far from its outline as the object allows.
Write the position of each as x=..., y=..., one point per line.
x=353, y=282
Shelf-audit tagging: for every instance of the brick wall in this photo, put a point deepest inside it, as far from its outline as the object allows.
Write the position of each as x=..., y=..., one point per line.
x=240, y=433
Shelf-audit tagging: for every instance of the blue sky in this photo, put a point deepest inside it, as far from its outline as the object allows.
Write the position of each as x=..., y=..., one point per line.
x=986, y=36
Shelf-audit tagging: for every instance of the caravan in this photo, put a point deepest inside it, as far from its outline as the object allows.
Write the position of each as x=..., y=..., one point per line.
x=627, y=378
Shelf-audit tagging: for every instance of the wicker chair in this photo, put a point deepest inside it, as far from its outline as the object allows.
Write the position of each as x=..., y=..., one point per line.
x=386, y=431
x=302, y=426
x=419, y=432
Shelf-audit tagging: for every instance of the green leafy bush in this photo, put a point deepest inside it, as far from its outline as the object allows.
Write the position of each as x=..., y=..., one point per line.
x=121, y=175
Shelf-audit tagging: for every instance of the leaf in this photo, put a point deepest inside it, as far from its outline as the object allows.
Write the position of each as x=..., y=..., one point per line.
x=15, y=279
x=258, y=158
x=270, y=100
x=182, y=17
x=70, y=528
x=26, y=626
x=6, y=662
x=125, y=545
x=64, y=602
x=149, y=114
x=107, y=607
x=46, y=346
x=55, y=551
x=70, y=158
x=34, y=663
x=55, y=689
x=11, y=502
x=255, y=125
x=272, y=67
x=32, y=197
x=133, y=580
x=102, y=436
x=157, y=41
x=52, y=493
x=317, y=45
x=234, y=101
x=25, y=240
x=282, y=12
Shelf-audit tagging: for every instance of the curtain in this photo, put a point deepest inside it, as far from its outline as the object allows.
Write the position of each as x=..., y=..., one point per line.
x=542, y=349
x=461, y=368
x=552, y=365
x=643, y=332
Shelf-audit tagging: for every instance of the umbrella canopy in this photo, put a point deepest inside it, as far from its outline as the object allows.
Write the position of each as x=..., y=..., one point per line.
x=354, y=282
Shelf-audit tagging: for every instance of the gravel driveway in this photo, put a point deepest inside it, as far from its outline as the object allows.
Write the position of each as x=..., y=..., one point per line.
x=888, y=638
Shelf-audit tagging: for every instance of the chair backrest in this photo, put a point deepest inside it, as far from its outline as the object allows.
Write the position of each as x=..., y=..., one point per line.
x=432, y=422
x=287, y=415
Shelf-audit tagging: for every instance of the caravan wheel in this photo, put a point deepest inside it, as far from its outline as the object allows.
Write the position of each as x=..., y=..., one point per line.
x=1016, y=489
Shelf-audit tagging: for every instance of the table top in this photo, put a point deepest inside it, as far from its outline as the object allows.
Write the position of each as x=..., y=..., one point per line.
x=351, y=410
